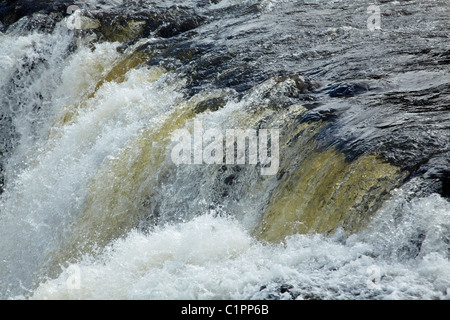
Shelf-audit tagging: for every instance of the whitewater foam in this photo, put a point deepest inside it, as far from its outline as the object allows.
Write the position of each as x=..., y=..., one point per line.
x=214, y=257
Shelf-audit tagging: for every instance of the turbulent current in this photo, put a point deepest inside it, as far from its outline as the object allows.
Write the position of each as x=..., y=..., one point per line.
x=255, y=149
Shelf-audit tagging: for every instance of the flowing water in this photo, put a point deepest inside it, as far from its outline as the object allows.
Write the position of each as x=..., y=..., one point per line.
x=353, y=205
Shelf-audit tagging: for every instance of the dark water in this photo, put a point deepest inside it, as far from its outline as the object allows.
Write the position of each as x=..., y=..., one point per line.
x=371, y=141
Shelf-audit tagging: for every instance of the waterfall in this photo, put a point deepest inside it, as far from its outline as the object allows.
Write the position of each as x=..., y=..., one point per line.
x=303, y=172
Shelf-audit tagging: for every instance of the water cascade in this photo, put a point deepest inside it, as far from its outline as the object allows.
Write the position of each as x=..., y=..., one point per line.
x=315, y=150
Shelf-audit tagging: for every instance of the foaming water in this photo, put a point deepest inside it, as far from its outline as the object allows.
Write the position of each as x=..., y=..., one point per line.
x=49, y=172
x=213, y=257
x=94, y=208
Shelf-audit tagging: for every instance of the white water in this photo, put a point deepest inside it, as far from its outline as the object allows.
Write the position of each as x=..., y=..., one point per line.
x=210, y=256
x=48, y=177
x=215, y=258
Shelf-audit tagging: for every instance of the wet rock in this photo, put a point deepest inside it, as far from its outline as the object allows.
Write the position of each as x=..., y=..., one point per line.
x=213, y=104
x=437, y=174
x=144, y=22
x=347, y=89
x=300, y=83
x=319, y=115
x=13, y=10
x=176, y=27
x=120, y=29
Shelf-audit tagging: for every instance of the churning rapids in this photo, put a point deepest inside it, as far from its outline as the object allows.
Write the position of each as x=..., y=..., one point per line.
x=93, y=205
